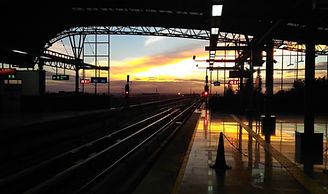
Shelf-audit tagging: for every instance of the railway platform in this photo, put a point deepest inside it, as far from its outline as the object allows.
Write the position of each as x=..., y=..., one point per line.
x=256, y=166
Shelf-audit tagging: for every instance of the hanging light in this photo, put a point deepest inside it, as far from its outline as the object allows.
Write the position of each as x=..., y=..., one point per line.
x=217, y=10
x=214, y=31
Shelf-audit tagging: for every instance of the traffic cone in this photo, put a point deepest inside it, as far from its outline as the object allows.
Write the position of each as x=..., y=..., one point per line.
x=220, y=163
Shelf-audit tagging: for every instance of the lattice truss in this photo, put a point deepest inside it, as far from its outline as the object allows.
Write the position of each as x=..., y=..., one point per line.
x=224, y=38
x=150, y=31
x=294, y=46
x=77, y=36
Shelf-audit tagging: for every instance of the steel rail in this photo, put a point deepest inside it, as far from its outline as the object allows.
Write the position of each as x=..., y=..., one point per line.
x=91, y=160
x=106, y=171
x=73, y=154
x=70, y=154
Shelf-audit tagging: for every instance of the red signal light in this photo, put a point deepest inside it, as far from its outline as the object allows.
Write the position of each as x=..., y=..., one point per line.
x=206, y=93
x=126, y=92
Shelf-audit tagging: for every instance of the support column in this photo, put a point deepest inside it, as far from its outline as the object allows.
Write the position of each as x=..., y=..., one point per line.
x=242, y=88
x=269, y=78
x=77, y=68
x=308, y=95
x=268, y=120
x=42, y=79
x=251, y=91
x=251, y=87
x=308, y=108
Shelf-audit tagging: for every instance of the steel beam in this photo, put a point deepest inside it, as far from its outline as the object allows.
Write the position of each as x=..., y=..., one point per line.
x=53, y=59
x=220, y=60
x=148, y=31
x=228, y=48
x=221, y=68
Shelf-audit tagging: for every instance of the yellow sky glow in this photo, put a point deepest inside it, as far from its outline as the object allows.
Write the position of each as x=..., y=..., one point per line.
x=156, y=68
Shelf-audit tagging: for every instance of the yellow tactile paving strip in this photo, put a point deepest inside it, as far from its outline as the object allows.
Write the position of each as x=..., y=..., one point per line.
x=308, y=183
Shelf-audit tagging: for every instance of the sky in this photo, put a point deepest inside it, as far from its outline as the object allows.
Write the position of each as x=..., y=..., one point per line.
x=164, y=65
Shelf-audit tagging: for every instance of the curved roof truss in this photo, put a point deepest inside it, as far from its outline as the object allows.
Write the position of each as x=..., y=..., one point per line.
x=147, y=31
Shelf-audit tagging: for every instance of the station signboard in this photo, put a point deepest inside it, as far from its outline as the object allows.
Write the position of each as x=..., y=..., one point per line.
x=7, y=71
x=101, y=80
x=217, y=83
x=60, y=77
x=84, y=81
x=233, y=82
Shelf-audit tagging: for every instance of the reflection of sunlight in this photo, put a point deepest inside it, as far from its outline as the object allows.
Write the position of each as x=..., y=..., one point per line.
x=227, y=127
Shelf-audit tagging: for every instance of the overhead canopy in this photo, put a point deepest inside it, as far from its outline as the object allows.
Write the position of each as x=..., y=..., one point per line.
x=28, y=25
x=294, y=20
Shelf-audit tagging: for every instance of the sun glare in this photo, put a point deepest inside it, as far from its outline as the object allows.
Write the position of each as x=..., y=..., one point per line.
x=179, y=69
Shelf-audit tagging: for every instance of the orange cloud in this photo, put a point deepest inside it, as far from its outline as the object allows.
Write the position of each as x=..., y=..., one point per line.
x=169, y=64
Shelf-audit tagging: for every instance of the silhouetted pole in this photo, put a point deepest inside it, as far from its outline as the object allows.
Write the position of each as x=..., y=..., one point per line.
x=77, y=79
x=308, y=103
x=42, y=78
x=269, y=78
x=241, y=87
x=250, y=89
x=309, y=83
x=127, y=90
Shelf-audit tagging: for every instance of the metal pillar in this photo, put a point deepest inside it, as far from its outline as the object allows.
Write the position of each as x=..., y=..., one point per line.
x=83, y=77
x=77, y=77
x=282, y=71
x=108, y=64
x=309, y=83
x=96, y=57
x=327, y=66
x=210, y=92
x=308, y=106
x=251, y=86
x=296, y=77
x=42, y=78
x=224, y=71
x=269, y=78
x=77, y=45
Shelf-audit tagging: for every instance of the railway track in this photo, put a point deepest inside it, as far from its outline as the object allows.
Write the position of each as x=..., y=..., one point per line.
x=30, y=144
x=80, y=170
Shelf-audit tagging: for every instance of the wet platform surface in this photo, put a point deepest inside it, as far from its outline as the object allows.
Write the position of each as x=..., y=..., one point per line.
x=255, y=167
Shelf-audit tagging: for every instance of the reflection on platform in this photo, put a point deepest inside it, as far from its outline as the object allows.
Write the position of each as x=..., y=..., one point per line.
x=254, y=169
